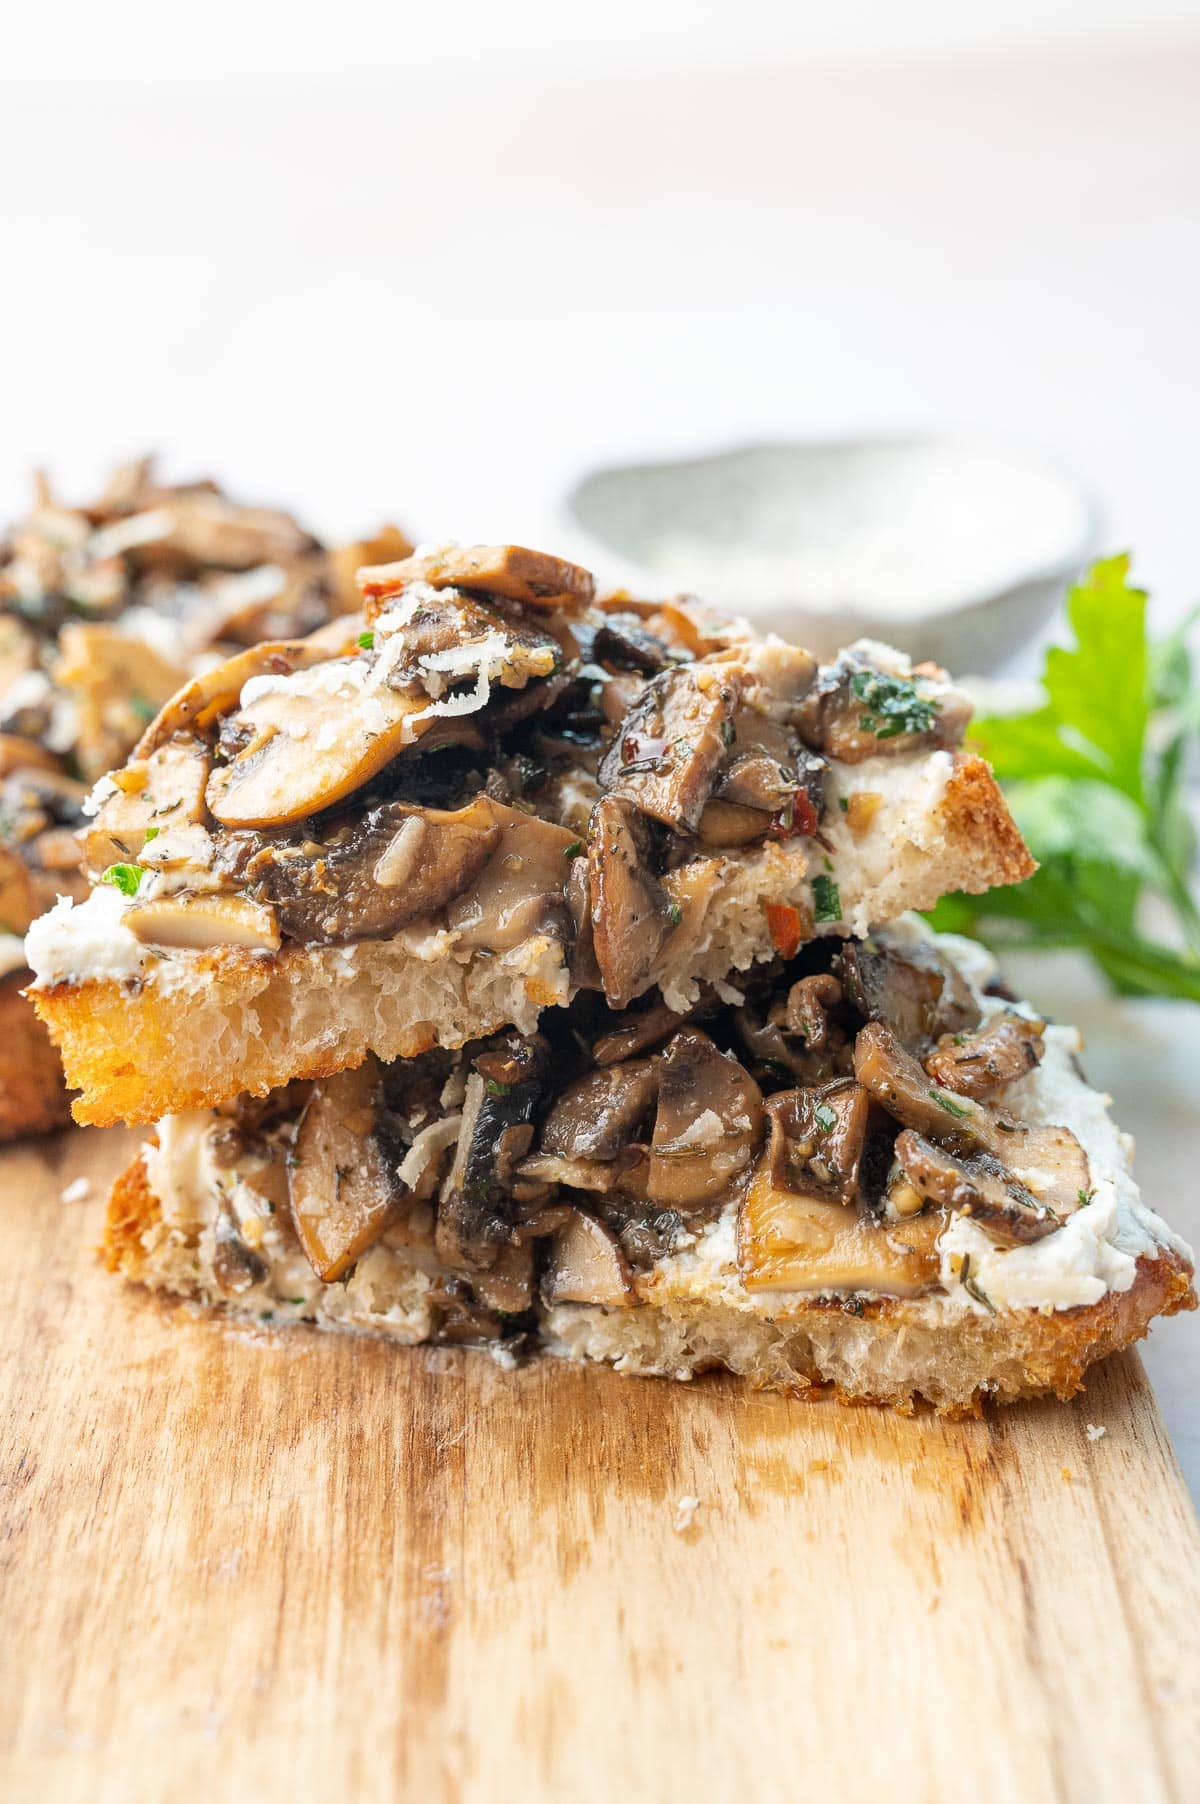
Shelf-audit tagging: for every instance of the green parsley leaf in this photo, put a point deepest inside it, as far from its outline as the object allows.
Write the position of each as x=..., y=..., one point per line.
x=891, y=705
x=675, y=912
x=494, y=1088
x=574, y=849
x=949, y=1104
x=366, y=641
x=151, y=833
x=826, y=1118
x=827, y=900
x=125, y=877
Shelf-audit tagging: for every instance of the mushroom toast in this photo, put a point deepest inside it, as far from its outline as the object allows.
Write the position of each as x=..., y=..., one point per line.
x=103, y=611
x=485, y=796
x=861, y=1169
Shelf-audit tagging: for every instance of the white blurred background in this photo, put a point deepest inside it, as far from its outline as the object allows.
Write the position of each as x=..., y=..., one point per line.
x=433, y=263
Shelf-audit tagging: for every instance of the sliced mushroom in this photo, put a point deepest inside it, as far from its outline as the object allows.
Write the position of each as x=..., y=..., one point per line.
x=522, y=889
x=626, y=1172
x=979, y=1064
x=507, y=1286
x=980, y=1187
x=18, y=754
x=531, y=577
x=602, y=1112
x=1047, y=1160
x=805, y=1244
x=708, y=1125
x=623, y=642
x=343, y=563
x=475, y=1216
x=635, y=1031
x=152, y=795
x=302, y=745
x=916, y=992
x=770, y=770
x=630, y=909
x=195, y=707
x=237, y=1268
x=365, y=877
x=343, y=1191
x=672, y=742
x=818, y=1137
x=19, y=900
x=856, y=710
x=586, y=1265
x=198, y=529
x=730, y=824
x=203, y=920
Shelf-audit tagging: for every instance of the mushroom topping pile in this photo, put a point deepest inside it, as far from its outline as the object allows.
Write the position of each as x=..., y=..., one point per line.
x=569, y=1164
x=501, y=756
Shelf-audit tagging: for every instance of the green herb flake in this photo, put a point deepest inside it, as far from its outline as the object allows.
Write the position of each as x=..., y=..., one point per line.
x=496, y=1089
x=827, y=899
x=574, y=849
x=844, y=804
x=826, y=1117
x=675, y=914
x=1084, y=1197
x=365, y=641
x=892, y=705
x=972, y=1286
x=125, y=877
x=152, y=833
x=949, y=1104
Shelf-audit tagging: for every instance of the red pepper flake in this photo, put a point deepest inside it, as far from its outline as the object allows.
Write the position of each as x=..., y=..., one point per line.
x=798, y=820
x=784, y=923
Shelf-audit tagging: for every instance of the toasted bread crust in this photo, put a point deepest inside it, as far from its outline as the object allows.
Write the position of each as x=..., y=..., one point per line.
x=879, y=1352
x=33, y=1093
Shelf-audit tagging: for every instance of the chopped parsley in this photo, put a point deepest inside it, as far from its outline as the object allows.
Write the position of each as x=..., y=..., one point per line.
x=675, y=912
x=494, y=1088
x=151, y=833
x=844, y=804
x=972, y=1286
x=891, y=705
x=125, y=877
x=949, y=1104
x=827, y=900
x=826, y=1117
x=1084, y=1197
x=366, y=641
x=574, y=849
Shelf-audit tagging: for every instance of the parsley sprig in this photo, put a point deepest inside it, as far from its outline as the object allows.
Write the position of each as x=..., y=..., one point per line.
x=891, y=705
x=1095, y=776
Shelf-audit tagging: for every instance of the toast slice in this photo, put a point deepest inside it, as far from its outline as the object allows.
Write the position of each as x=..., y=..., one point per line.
x=801, y=1186
x=489, y=800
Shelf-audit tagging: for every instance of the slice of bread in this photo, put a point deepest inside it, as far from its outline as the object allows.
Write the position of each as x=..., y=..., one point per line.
x=147, y=1032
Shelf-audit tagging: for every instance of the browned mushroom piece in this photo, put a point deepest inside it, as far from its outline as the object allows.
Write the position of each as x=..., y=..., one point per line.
x=622, y=641
x=237, y=1268
x=788, y=1242
x=768, y=769
x=725, y=824
x=818, y=1138
x=197, y=530
x=343, y=1192
x=448, y=636
x=708, y=1125
x=363, y=877
x=19, y=900
x=602, y=1112
x=475, y=1210
x=18, y=650
x=635, y=1031
x=808, y=1006
x=117, y=682
x=586, y=1265
x=157, y=795
x=856, y=711
x=199, y=920
x=672, y=742
x=343, y=563
x=979, y=1064
x=917, y=993
x=980, y=1187
x=1048, y=1159
x=194, y=707
x=18, y=753
x=522, y=888
x=507, y=1286
x=630, y=909
x=531, y=577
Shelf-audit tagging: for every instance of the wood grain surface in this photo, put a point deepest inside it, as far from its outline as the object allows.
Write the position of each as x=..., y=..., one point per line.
x=238, y=1565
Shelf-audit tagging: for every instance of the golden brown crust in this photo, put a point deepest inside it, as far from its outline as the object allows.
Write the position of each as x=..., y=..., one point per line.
x=33, y=1092
x=132, y=1211
x=977, y=819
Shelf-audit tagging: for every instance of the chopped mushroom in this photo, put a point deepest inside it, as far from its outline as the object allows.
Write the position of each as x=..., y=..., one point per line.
x=203, y=920
x=117, y=681
x=818, y=1137
x=856, y=710
x=672, y=742
x=804, y=1243
x=343, y=1192
x=630, y=909
x=1048, y=1160
x=586, y=1265
x=918, y=994
x=708, y=1125
x=237, y=1268
x=636, y=1030
x=475, y=1214
x=154, y=795
x=531, y=577
x=980, y=1187
x=521, y=890
x=602, y=1112
x=195, y=707
x=367, y=876
x=977, y=1065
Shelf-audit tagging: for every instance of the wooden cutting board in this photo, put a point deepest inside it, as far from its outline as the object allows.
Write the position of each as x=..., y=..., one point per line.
x=238, y=1565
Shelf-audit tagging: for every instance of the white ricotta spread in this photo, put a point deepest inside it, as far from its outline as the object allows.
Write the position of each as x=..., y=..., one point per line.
x=912, y=789
x=81, y=941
